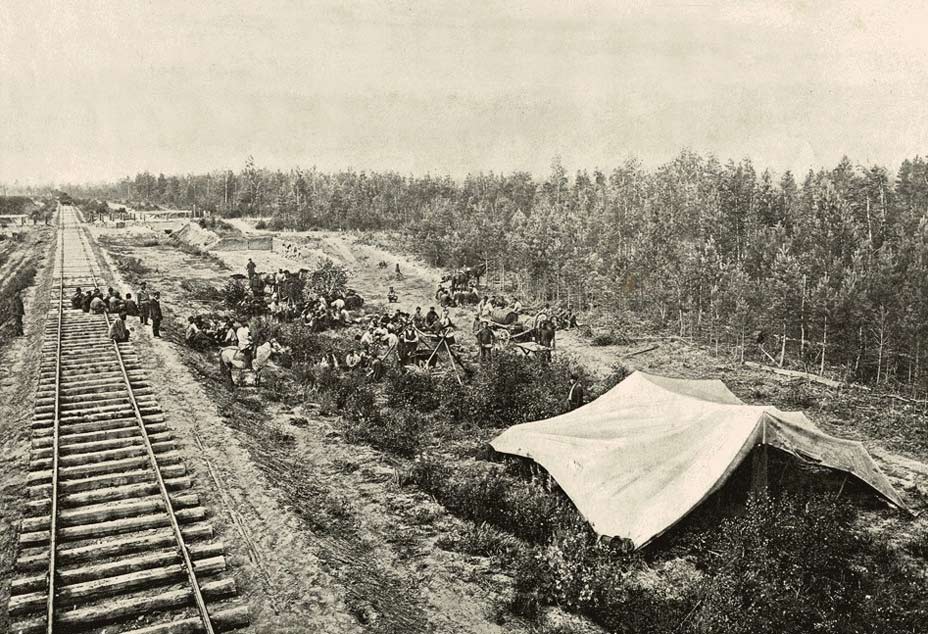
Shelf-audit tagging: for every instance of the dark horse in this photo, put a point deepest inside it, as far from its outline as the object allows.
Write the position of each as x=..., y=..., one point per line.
x=543, y=335
x=462, y=278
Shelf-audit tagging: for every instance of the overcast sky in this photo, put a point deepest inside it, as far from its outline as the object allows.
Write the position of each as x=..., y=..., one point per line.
x=95, y=90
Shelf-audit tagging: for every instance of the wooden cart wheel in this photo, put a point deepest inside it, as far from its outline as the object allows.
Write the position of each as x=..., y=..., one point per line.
x=504, y=336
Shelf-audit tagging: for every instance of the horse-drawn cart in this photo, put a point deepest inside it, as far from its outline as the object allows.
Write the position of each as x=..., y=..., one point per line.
x=507, y=327
x=530, y=337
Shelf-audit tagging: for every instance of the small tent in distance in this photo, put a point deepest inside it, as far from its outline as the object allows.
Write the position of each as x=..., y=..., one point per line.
x=642, y=456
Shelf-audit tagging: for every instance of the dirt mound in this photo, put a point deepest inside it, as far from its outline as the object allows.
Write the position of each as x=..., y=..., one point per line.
x=195, y=235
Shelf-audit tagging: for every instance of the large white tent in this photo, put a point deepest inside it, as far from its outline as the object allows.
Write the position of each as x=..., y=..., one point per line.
x=640, y=457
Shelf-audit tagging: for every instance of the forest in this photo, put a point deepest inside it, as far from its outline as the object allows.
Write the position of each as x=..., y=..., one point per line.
x=827, y=274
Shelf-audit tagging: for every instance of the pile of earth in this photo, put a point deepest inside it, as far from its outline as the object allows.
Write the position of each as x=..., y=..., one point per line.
x=195, y=235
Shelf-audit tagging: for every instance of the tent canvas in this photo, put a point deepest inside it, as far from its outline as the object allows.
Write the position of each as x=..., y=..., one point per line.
x=639, y=458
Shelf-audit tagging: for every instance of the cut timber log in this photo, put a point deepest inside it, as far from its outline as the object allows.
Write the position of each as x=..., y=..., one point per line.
x=114, y=527
x=796, y=374
x=642, y=351
x=123, y=609
x=38, y=559
x=222, y=620
x=78, y=593
x=157, y=559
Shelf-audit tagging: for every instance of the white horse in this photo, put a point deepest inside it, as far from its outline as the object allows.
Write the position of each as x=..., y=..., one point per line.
x=232, y=357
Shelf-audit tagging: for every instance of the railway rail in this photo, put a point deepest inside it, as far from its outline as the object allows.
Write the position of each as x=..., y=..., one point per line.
x=112, y=539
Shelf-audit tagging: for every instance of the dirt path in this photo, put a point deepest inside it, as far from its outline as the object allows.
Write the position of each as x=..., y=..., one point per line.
x=19, y=359
x=343, y=546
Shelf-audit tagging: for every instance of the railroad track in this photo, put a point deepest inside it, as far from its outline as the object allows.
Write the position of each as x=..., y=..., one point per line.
x=113, y=540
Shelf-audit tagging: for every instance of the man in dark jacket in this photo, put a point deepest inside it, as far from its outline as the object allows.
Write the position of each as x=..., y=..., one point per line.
x=18, y=312
x=575, y=395
x=154, y=308
x=144, y=303
x=431, y=318
x=77, y=299
x=485, y=339
x=85, y=303
x=131, y=308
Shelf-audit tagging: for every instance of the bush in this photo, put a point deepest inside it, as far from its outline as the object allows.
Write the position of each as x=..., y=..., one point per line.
x=413, y=390
x=216, y=224
x=797, y=565
x=329, y=279
x=396, y=431
x=484, y=493
x=483, y=540
x=260, y=225
x=513, y=389
x=237, y=297
x=617, y=374
x=605, y=339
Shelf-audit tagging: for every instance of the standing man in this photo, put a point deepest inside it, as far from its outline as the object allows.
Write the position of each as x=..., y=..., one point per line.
x=18, y=311
x=144, y=303
x=154, y=308
x=250, y=267
x=409, y=341
x=485, y=339
x=542, y=316
x=575, y=395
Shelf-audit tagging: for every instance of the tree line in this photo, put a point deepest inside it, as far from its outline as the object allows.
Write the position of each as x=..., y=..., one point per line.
x=825, y=274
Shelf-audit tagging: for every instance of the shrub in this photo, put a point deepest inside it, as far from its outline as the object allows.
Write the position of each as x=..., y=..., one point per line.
x=237, y=297
x=260, y=225
x=484, y=493
x=605, y=339
x=790, y=564
x=329, y=279
x=513, y=389
x=396, y=431
x=483, y=540
x=412, y=390
x=917, y=545
x=617, y=374
x=216, y=224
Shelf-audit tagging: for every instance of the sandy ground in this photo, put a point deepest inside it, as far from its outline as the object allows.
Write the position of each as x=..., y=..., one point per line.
x=339, y=545
x=20, y=361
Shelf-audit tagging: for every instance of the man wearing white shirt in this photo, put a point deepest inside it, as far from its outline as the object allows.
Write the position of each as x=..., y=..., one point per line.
x=244, y=343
